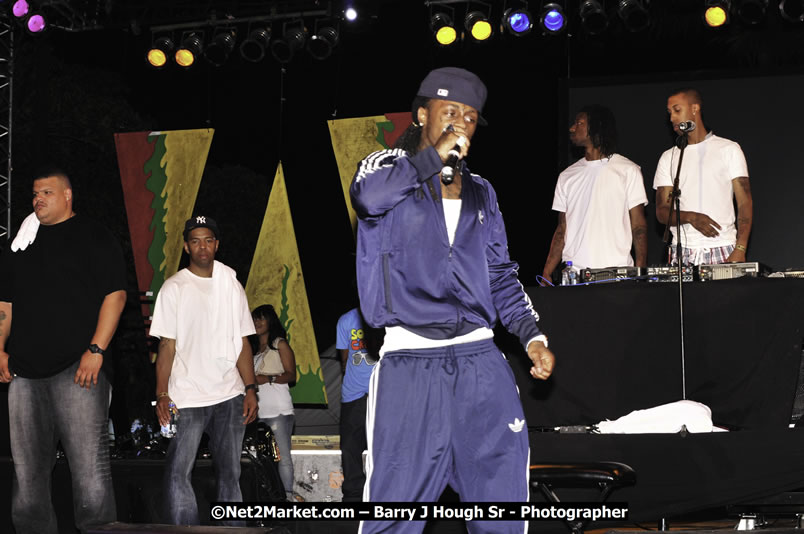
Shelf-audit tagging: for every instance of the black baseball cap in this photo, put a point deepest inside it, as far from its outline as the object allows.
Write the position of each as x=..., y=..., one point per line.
x=201, y=221
x=457, y=85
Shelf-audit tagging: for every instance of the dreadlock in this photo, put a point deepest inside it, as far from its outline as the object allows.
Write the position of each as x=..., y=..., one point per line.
x=411, y=138
x=602, y=128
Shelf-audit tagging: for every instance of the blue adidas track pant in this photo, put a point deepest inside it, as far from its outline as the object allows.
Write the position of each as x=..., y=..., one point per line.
x=442, y=416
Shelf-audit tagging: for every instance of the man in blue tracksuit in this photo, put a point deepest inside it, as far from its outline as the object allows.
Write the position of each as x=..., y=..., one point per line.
x=433, y=268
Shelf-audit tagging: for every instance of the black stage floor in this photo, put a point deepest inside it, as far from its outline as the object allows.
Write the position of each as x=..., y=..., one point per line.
x=138, y=494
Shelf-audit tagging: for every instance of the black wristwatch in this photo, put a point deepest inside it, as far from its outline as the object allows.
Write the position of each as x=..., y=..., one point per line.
x=252, y=386
x=95, y=349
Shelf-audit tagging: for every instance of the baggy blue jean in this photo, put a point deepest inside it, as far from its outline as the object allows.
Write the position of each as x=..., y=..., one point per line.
x=41, y=413
x=223, y=422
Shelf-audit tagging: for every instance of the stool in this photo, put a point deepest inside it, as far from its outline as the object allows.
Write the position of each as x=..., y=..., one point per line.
x=607, y=476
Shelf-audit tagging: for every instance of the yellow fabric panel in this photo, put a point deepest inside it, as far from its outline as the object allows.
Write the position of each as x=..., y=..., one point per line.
x=276, y=278
x=353, y=140
x=184, y=162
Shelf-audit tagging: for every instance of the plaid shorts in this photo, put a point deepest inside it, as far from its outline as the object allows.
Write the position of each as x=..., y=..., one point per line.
x=701, y=256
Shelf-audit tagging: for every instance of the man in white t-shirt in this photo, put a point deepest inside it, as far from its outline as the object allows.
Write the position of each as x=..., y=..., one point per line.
x=600, y=200
x=205, y=367
x=713, y=171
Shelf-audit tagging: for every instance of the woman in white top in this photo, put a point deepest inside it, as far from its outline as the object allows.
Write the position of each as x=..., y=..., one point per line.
x=276, y=406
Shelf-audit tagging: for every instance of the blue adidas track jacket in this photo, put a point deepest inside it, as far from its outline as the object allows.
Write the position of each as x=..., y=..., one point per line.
x=409, y=275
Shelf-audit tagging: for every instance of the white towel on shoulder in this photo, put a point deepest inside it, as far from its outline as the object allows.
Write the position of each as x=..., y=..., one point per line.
x=228, y=299
x=26, y=234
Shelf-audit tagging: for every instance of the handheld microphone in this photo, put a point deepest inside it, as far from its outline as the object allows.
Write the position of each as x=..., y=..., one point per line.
x=450, y=168
x=686, y=126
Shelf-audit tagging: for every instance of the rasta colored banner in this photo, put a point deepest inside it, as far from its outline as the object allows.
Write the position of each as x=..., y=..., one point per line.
x=160, y=172
x=354, y=139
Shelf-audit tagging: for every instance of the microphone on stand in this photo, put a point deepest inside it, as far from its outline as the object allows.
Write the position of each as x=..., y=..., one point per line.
x=683, y=129
x=450, y=168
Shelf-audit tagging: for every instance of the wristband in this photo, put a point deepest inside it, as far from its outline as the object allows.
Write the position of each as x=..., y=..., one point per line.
x=162, y=394
x=251, y=386
x=740, y=247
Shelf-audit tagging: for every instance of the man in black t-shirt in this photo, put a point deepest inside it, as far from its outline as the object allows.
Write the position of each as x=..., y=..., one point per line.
x=65, y=284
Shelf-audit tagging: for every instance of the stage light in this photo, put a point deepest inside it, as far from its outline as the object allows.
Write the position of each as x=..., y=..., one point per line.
x=443, y=29
x=517, y=22
x=159, y=52
x=552, y=20
x=189, y=50
x=634, y=15
x=351, y=14
x=221, y=46
x=292, y=40
x=792, y=10
x=321, y=44
x=36, y=23
x=253, y=47
x=20, y=8
x=716, y=13
x=752, y=11
x=478, y=25
x=593, y=17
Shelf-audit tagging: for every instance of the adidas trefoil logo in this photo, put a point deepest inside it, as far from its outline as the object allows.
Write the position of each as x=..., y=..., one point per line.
x=517, y=425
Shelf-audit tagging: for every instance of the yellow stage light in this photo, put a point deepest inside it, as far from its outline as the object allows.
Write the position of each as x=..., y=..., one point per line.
x=446, y=35
x=716, y=13
x=478, y=26
x=442, y=27
x=185, y=58
x=158, y=54
x=157, y=58
x=189, y=50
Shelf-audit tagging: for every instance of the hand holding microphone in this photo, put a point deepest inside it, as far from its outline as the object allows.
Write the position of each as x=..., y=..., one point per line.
x=454, y=154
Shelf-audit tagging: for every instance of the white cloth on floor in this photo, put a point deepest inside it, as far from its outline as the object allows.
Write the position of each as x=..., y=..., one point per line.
x=665, y=419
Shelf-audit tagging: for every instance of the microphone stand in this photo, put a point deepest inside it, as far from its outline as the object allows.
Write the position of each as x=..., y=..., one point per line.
x=675, y=205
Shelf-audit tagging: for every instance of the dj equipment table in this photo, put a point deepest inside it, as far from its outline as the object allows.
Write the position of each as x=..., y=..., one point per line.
x=617, y=349
x=678, y=474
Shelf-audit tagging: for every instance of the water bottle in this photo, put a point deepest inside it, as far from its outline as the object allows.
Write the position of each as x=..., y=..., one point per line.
x=569, y=275
x=169, y=430
x=573, y=275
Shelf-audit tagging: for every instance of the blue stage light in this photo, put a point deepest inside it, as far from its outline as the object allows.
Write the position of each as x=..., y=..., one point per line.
x=517, y=22
x=553, y=20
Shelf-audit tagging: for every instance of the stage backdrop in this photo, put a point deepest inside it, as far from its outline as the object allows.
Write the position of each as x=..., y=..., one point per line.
x=354, y=139
x=276, y=278
x=160, y=172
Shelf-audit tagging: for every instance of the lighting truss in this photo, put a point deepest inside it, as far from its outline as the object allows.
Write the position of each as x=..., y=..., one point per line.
x=6, y=75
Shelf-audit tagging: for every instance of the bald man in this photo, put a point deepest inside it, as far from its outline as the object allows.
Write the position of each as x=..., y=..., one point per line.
x=66, y=288
x=713, y=172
